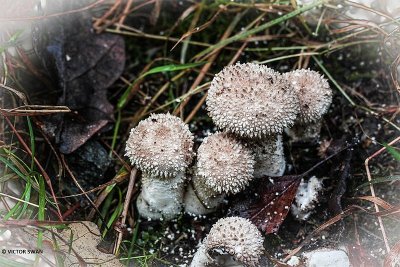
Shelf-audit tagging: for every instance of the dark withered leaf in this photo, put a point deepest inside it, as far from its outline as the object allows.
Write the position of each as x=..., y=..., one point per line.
x=274, y=204
x=359, y=257
x=344, y=174
x=271, y=206
x=89, y=163
x=75, y=134
x=84, y=64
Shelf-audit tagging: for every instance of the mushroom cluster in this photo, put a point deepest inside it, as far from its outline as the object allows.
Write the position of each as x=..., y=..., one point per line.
x=256, y=104
x=252, y=105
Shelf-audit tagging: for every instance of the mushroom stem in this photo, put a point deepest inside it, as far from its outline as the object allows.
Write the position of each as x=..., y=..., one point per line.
x=200, y=258
x=269, y=156
x=198, y=201
x=304, y=133
x=160, y=198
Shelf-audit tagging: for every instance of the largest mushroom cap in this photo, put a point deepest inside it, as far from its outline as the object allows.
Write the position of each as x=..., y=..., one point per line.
x=160, y=145
x=238, y=237
x=252, y=100
x=224, y=165
x=314, y=94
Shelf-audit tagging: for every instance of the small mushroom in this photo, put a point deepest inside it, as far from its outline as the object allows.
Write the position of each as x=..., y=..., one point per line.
x=224, y=166
x=256, y=103
x=315, y=97
x=161, y=147
x=252, y=100
x=232, y=241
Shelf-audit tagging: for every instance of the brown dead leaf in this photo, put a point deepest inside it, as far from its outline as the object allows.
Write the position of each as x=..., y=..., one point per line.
x=270, y=204
x=83, y=65
x=84, y=238
x=276, y=198
x=76, y=245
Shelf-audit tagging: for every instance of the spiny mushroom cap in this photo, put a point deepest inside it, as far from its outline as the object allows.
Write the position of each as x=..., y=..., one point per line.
x=314, y=94
x=160, y=145
x=238, y=237
x=252, y=100
x=224, y=164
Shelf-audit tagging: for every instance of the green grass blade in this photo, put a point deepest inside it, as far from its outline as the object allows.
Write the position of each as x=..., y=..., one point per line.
x=106, y=206
x=167, y=68
x=32, y=141
x=263, y=27
x=393, y=152
x=26, y=196
x=12, y=167
x=379, y=180
x=115, y=215
x=17, y=161
x=172, y=67
x=12, y=41
x=42, y=204
x=115, y=133
x=12, y=211
x=333, y=80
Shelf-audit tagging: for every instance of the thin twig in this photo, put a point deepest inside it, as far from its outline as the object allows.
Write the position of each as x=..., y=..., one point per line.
x=19, y=200
x=35, y=110
x=98, y=22
x=207, y=66
x=125, y=13
x=371, y=186
x=20, y=95
x=90, y=6
x=79, y=186
x=126, y=207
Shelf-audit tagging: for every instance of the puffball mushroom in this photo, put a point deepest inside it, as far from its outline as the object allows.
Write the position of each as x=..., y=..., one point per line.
x=232, y=241
x=224, y=166
x=252, y=100
x=256, y=103
x=161, y=146
x=315, y=97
